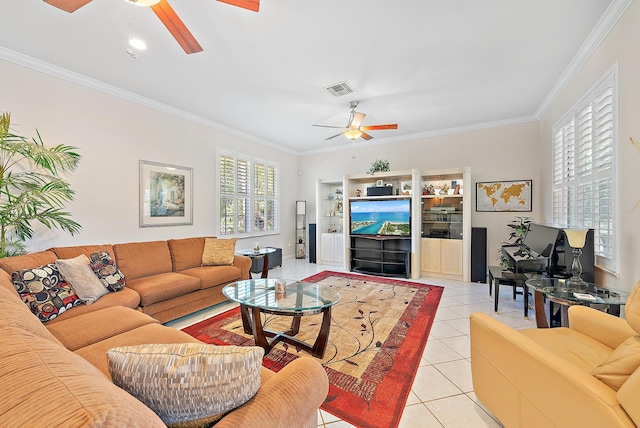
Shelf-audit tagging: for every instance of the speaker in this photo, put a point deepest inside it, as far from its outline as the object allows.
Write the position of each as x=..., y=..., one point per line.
x=312, y=243
x=479, y=254
x=380, y=191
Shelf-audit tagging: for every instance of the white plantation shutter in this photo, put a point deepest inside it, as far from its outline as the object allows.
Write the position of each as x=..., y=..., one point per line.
x=584, y=169
x=248, y=195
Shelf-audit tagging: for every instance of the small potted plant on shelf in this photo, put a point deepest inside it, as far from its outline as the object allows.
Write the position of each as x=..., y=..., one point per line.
x=379, y=166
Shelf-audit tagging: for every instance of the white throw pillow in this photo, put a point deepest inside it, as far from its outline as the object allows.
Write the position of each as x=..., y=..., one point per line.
x=80, y=276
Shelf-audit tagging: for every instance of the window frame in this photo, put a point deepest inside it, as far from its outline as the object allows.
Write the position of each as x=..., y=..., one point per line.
x=249, y=195
x=566, y=181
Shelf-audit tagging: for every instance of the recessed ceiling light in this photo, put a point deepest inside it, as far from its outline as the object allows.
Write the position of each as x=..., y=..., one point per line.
x=137, y=43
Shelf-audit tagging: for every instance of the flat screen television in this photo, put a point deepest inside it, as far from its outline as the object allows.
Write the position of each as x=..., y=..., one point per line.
x=387, y=217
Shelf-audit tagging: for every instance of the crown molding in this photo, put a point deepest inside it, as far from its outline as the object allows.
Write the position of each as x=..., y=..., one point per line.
x=62, y=73
x=610, y=18
x=427, y=134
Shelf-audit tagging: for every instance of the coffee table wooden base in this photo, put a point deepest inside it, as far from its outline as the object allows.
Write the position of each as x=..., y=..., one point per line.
x=252, y=324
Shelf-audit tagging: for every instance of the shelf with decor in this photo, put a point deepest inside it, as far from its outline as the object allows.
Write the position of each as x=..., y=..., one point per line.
x=330, y=219
x=445, y=224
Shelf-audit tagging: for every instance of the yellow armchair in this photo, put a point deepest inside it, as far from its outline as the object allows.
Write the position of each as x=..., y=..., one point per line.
x=546, y=377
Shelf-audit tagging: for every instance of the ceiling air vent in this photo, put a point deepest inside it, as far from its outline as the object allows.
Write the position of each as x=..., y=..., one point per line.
x=339, y=89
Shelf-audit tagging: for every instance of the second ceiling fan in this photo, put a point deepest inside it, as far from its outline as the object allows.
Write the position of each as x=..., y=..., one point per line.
x=353, y=130
x=167, y=15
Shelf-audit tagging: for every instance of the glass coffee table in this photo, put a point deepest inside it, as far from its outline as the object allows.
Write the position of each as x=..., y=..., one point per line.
x=259, y=253
x=299, y=299
x=558, y=291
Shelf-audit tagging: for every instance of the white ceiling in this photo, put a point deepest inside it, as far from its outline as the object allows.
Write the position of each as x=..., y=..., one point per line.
x=428, y=65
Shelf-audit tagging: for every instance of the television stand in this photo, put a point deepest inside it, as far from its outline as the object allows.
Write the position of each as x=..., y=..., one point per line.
x=381, y=255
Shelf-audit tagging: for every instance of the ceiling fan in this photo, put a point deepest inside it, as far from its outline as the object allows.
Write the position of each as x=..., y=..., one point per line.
x=167, y=15
x=353, y=130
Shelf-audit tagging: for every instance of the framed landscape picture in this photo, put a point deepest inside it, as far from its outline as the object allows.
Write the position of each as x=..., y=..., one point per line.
x=166, y=194
x=503, y=196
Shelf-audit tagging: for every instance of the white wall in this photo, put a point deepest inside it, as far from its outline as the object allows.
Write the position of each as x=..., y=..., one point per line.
x=622, y=46
x=113, y=135
x=503, y=153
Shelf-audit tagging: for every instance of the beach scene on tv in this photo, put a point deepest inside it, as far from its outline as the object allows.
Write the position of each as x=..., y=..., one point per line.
x=386, y=217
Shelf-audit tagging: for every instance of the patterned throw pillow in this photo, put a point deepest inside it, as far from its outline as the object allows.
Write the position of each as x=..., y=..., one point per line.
x=44, y=291
x=218, y=252
x=188, y=384
x=106, y=270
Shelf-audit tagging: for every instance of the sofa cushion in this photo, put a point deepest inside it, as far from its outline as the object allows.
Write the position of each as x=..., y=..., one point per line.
x=77, y=273
x=44, y=290
x=87, y=250
x=26, y=261
x=576, y=348
x=126, y=297
x=14, y=313
x=186, y=253
x=44, y=384
x=96, y=353
x=141, y=259
x=622, y=362
x=105, y=268
x=218, y=252
x=80, y=331
x=165, y=286
x=168, y=377
x=212, y=276
x=628, y=396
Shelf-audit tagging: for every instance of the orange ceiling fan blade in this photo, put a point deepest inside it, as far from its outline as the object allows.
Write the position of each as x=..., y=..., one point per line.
x=68, y=5
x=176, y=27
x=366, y=136
x=379, y=127
x=253, y=5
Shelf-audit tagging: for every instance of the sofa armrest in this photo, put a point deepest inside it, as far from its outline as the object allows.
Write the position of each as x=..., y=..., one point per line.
x=290, y=398
x=603, y=327
x=517, y=379
x=244, y=264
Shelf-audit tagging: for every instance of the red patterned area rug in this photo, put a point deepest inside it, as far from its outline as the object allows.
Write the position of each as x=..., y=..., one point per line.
x=378, y=333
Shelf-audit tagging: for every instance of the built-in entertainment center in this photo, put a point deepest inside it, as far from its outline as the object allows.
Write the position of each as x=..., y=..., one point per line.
x=398, y=223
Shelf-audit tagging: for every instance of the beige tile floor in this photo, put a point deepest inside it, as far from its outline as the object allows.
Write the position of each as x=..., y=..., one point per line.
x=442, y=393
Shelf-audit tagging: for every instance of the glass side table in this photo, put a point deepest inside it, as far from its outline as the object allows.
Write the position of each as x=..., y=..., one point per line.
x=557, y=290
x=256, y=254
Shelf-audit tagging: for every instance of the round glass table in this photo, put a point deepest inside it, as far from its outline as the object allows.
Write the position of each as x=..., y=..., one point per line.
x=557, y=290
x=299, y=299
x=259, y=253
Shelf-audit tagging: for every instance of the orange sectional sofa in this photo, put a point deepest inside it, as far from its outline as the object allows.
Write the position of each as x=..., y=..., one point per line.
x=56, y=373
x=164, y=279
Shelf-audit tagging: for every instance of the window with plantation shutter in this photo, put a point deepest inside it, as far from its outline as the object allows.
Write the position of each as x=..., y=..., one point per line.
x=248, y=195
x=584, y=169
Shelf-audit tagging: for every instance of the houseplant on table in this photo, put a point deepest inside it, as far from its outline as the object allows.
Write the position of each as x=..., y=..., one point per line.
x=30, y=187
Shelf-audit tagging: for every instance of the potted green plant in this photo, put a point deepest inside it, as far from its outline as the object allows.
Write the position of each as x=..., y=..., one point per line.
x=379, y=166
x=519, y=228
x=30, y=187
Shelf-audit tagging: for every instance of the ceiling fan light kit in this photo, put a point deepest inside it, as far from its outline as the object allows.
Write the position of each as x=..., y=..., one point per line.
x=353, y=134
x=143, y=3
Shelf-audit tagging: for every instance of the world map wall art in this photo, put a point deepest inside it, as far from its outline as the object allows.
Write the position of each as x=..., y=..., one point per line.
x=503, y=196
